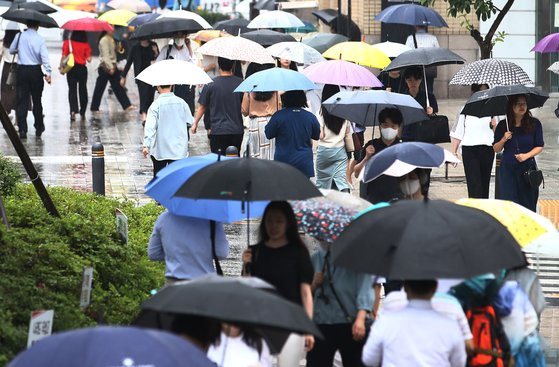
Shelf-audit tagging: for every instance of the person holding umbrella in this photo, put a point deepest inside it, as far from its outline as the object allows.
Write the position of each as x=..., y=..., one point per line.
x=77, y=76
x=520, y=138
x=414, y=79
x=422, y=38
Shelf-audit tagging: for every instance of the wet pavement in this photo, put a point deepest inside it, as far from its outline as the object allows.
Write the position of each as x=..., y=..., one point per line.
x=63, y=158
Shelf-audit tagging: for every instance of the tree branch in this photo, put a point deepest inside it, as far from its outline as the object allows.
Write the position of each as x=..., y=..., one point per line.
x=498, y=20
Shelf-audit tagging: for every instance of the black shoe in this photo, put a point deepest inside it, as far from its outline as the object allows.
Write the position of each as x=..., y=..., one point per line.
x=22, y=135
x=39, y=132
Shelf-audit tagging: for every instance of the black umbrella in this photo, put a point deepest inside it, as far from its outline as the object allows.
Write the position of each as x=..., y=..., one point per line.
x=232, y=26
x=330, y=17
x=35, y=5
x=428, y=56
x=326, y=15
x=265, y=5
x=166, y=27
x=427, y=240
x=26, y=15
x=230, y=300
x=493, y=102
x=266, y=37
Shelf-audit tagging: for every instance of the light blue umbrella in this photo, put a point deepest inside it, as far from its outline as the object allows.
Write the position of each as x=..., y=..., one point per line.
x=170, y=179
x=276, y=79
x=363, y=107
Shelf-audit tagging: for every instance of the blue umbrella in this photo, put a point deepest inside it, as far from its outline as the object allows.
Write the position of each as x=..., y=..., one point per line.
x=112, y=346
x=363, y=107
x=276, y=79
x=400, y=159
x=170, y=179
x=142, y=18
x=411, y=14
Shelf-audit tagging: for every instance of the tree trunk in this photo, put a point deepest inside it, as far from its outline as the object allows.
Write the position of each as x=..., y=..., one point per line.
x=486, y=48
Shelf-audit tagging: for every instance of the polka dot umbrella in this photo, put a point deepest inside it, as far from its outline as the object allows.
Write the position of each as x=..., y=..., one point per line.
x=533, y=232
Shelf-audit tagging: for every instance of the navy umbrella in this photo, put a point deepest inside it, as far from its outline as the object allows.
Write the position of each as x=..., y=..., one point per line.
x=232, y=26
x=400, y=159
x=112, y=346
x=140, y=19
x=411, y=14
x=266, y=37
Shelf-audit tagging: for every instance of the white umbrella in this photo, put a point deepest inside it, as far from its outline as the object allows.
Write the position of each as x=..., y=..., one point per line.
x=8, y=25
x=554, y=67
x=137, y=6
x=276, y=19
x=296, y=51
x=391, y=49
x=183, y=14
x=237, y=48
x=63, y=16
x=174, y=72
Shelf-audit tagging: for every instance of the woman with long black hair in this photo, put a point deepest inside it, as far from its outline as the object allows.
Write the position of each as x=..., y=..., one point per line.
x=78, y=45
x=8, y=94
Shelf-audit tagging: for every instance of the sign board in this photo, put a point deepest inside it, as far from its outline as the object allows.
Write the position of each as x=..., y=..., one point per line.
x=40, y=326
x=86, y=287
x=122, y=226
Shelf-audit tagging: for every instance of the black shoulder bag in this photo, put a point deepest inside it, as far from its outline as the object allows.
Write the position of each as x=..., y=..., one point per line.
x=11, y=80
x=533, y=176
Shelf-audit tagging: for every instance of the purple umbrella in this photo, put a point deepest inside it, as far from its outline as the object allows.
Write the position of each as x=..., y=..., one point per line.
x=549, y=43
x=343, y=73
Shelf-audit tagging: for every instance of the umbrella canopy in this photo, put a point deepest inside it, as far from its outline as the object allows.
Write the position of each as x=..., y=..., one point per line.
x=233, y=26
x=533, y=232
x=427, y=56
x=363, y=107
x=140, y=19
x=63, y=16
x=119, y=17
x=25, y=15
x=276, y=19
x=295, y=51
x=172, y=72
x=549, y=43
x=346, y=199
x=34, y=5
x=400, y=159
x=120, y=346
x=170, y=178
x=275, y=79
x=391, y=49
x=340, y=72
x=358, y=52
x=248, y=179
x=493, y=102
x=137, y=6
x=266, y=37
x=308, y=28
x=326, y=15
x=492, y=72
x=87, y=24
x=322, y=220
x=323, y=41
x=209, y=34
x=426, y=240
x=330, y=17
x=237, y=48
x=170, y=23
x=411, y=14
x=230, y=300
x=265, y=5
x=554, y=67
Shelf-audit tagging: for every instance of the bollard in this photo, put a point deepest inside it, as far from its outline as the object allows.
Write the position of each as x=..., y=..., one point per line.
x=98, y=168
x=498, y=158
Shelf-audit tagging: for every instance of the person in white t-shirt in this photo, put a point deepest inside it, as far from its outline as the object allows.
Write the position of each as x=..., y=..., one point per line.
x=475, y=136
x=240, y=347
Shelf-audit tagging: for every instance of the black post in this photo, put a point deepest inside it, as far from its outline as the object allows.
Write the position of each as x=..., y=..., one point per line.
x=27, y=164
x=98, y=168
x=348, y=19
x=339, y=18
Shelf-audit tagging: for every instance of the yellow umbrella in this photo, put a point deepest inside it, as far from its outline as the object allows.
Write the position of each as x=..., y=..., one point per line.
x=118, y=17
x=358, y=52
x=209, y=34
x=533, y=232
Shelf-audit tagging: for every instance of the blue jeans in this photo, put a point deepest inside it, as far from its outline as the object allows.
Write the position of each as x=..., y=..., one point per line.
x=514, y=187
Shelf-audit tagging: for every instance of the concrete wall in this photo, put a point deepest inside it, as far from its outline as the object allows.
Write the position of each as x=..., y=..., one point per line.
x=520, y=24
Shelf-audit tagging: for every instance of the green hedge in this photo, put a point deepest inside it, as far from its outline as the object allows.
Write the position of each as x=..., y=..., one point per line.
x=42, y=259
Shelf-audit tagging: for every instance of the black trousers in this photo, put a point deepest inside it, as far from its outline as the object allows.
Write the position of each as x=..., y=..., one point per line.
x=478, y=162
x=101, y=84
x=77, y=81
x=29, y=83
x=187, y=93
x=146, y=93
x=219, y=143
x=336, y=337
x=159, y=165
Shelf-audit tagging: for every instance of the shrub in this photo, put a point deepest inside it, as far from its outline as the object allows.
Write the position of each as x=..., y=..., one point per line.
x=43, y=258
x=10, y=176
x=212, y=17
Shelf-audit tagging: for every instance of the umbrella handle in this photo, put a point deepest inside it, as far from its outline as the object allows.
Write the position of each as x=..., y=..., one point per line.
x=426, y=91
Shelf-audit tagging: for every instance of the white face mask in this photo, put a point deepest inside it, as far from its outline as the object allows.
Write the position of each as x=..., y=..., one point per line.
x=178, y=41
x=389, y=133
x=410, y=187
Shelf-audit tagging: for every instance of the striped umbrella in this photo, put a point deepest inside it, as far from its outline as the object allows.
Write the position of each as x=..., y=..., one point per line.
x=493, y=72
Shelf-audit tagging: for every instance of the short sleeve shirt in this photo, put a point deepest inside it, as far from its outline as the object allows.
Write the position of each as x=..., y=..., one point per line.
x=521, y=141
x=223, y=105
x=286, y=268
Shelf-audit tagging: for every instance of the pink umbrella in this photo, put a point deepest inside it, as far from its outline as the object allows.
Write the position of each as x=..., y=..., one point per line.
x=549, y=43
x=87, y=24
x=343, y=73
